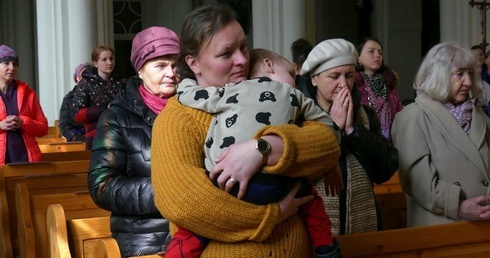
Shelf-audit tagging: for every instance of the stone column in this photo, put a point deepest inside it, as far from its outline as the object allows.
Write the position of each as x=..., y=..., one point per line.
x=66, y=35
x=401, y=39
x=276, y=24
x=454, y=18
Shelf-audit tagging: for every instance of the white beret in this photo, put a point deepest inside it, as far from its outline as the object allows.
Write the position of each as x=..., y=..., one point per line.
x=329, y=54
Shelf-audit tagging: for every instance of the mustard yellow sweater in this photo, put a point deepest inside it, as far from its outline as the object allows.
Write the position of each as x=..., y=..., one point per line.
x=186, y=196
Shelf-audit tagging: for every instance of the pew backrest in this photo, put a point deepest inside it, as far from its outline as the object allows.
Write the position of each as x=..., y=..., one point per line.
x=107, y=248
x=53, y=131
x=460, y=239
x=41, y=178
x=391, y=203
x=44, y=141
x=79, y=235
x=62, y=147
x=390, y=186
x=57, y=232
x=32, y=212
x=92, y=235
x=67, y=155
x=84, y=233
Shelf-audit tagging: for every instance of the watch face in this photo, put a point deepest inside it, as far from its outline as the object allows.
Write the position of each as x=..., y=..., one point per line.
x=263, y=146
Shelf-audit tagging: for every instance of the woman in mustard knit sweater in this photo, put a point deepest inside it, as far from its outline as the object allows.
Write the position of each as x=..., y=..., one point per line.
x=214, y=52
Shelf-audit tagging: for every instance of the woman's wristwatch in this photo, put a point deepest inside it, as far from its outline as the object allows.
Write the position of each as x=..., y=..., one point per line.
x=263, y=147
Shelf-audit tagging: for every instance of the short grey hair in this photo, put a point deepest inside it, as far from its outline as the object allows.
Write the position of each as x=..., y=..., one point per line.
x=434, y=75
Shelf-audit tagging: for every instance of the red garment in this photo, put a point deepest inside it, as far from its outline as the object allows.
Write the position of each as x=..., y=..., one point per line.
x=185, y=244
x=317, y=221
x=35, y=124
x=155, y=103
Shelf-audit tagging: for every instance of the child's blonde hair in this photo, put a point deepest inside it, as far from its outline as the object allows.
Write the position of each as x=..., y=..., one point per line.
x=257, y=55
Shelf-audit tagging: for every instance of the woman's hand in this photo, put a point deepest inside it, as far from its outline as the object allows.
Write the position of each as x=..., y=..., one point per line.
x=475, y=208
x=289, y=204
x=342, y=111
x=333, y=181
x=11, y=123
x=18, y=122
x=237, y=164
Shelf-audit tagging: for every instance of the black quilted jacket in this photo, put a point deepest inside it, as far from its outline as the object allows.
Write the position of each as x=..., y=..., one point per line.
x=119, y=174
x=70, y=129
x=374, y=152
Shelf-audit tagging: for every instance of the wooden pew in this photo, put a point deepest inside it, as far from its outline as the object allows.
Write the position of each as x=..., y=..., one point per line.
x=392, y=203
x=62, y=147
x=107, y=248
x=84, y=233
x=61, y=242
x=67, y=155
x=42, y=178
x=53, y=131
x=391, y=186
x=57, y=232
x=44, y=141
x=32, y=212
x=461, y=239
x=90, y=234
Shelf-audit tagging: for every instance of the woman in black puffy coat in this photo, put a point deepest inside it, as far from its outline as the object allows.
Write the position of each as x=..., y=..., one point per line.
x=119, y=174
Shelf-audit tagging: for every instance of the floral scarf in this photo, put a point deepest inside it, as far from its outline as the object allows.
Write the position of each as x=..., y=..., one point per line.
x=377, y=84
x=462, y=112
x=377, y=92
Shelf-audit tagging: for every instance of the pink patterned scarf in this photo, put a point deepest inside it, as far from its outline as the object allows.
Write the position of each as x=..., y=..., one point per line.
x=462, y=112
x=155, y=103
